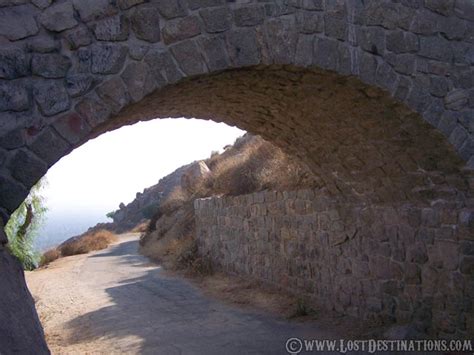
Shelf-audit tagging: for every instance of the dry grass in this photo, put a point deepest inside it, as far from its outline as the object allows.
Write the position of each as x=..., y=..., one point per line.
x=49, y=256
x=253, y=164
x=141, y=228
x=96, y=240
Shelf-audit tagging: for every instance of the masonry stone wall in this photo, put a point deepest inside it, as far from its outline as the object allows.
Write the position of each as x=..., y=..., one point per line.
x=403, y=263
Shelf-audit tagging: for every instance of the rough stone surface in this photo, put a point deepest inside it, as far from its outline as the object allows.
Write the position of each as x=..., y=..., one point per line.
x=309, y=244
x=187, y=54
x=52, y=97
x=23, y=323
x=49, y=146
x=182, y=28
x=216, y=19
x=58, y=17
x=114, y=93
x=12, y=193
x=27, y=168
x=18, y=22
x=14, y=63
x=93, y=110
x=108, y=59
x=78, y=37
x=138, y=79
x=94, y=9
x=13, y=96
x=50, y=65
x=114, y=28
x=171, y=8
x=146, y=23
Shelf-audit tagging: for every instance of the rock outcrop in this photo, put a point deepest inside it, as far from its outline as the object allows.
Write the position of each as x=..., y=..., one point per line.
x=146, y=203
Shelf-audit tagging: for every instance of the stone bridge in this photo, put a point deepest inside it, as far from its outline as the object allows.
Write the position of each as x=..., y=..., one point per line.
x=376, y=97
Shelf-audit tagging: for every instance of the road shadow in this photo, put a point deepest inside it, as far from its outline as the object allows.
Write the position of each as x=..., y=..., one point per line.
x=159, y=314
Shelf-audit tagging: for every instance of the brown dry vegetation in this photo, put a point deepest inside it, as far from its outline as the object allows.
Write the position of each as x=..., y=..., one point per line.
x=49, y=256
x=141, y=228
x=253, y=164
x=96, y=240
x=83, y=244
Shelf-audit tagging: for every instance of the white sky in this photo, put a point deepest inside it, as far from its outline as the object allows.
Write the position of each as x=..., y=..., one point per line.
x=112, y=168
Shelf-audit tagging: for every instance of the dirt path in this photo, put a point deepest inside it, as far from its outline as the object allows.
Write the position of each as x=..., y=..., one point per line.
x=116, y=301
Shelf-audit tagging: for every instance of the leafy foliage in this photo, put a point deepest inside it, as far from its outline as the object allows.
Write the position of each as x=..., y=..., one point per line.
x=23, y=226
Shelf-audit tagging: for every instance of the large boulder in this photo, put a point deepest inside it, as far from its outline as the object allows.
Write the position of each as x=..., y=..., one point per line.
x=195, y=174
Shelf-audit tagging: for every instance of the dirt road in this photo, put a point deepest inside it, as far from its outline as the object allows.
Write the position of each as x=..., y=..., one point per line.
x=116, y=301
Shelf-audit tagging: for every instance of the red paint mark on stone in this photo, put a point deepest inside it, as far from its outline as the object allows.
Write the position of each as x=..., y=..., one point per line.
x=75, y=122
x=32, y=131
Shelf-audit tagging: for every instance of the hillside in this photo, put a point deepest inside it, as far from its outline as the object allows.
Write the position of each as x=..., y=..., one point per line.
x=251, y=164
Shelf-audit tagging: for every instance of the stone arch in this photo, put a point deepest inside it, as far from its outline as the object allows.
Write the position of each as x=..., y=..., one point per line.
x=71, y=66
x=376, y=96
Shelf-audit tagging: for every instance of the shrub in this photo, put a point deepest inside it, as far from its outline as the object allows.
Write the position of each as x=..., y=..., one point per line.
x=96, y=240
x=49, y=256
x=141, y=227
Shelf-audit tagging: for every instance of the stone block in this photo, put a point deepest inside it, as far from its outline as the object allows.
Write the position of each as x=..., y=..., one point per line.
x=14, y=63
x=249, y=15
x=214, y=49
x=49, y=146
x=114, y=93
x=13, y=139
x=51, y=97
x=114, y=28
x=79, y=84
x=146, y=23
x=58, y=17
x=309, y=22
x=163, y=67
x=108, y=58
x=14, y=96
x=181, y=29
x=138, y=79
x=456, y=99
x=436, y=48
x=371, y=39
x=243, y=47
x=189, y=58
x=51, y=65
x=17, y=22
x=336, y=28
x=94, y=9
x=93, y=110
x=216, y=19
x=72, y=127
x=402, y=42
x=78, y=37
x=27, y=168
x=467, y=265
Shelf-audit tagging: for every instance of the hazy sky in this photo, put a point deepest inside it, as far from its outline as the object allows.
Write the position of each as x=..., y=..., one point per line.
x=110, y=169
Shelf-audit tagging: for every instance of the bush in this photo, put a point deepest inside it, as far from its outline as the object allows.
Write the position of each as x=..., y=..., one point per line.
x=141, y=228
x=96, y=240
x=49, y=256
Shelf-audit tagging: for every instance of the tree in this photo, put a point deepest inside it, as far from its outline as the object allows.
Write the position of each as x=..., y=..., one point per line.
x=23, y=226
